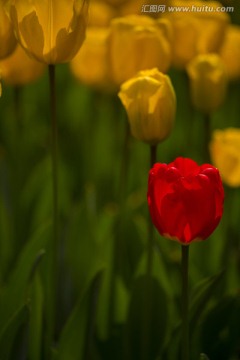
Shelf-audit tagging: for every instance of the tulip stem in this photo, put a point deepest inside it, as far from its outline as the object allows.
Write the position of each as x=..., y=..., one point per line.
x=153, y=159
x=117, y=245
x=147, y=316
x=18, y=163
x=207, y=131
x=185, y=300
x=54, y=155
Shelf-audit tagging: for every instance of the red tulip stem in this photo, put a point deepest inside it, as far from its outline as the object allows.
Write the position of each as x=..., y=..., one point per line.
x=54, y=155
x=185, y=300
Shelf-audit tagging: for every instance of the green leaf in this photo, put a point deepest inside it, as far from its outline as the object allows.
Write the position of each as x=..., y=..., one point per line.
x=201, y=296
x=73, y=338
x=14, y=295
x=146, y=326
x=36, y=316
x=220, y=332
x=203, y=357
x=10, y=330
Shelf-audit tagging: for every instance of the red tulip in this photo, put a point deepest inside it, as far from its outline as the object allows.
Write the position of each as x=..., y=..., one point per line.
x=185, y=200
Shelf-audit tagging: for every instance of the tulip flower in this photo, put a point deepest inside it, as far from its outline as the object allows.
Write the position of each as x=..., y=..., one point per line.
x=207, y=30
x=136, y=6
x=90, y=64
x=208, y=82
x=185, y=200
x=100, y=14
x=137, y=43
x=19, y=69
x=150, y=102
x=8, y=40
x=225, y=154
x=230, y=52
x=50, y=31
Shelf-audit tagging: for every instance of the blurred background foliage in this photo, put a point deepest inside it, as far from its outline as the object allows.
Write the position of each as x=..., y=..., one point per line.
x=103, y=216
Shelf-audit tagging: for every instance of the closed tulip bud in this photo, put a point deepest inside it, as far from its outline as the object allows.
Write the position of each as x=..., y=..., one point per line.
x=19, y=69
x=225, y=154
x=50, y=31
x=137, y=43
x=90, y=64
x=230, y=52
x=150, y=102
x=208, y=82
x=7, y=38
x=208, y=29
x=185, y=200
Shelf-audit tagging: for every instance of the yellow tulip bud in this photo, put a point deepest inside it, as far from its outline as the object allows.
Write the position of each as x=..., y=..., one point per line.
x=208, y=82
x=198, y=31
x=90, y=64
x=51, y=31
x=137, y=43
x=20, y=69
x=225, y=154
x=7, y=38
x=230, y=52
x=150, y=102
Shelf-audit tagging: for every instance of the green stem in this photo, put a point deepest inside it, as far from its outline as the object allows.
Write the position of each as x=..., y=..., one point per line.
x=147, y=316
x=54, y=151
x=54, y=156
x=153, y=159
x=185, y=300
x=117, y=245
x=207, y=134
x=18, y=165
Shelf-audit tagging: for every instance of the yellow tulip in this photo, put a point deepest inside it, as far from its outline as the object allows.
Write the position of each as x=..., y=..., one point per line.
x=90, y=64
x=196, y=32
x=225, y=154
x=230, y=52
x=142, y=6
x=116, y=3
x=20, y=69
x=208, y=82
x=100, y=13
x=7, y=38
x=51, y=31
x=137, y=43
x=150, y=102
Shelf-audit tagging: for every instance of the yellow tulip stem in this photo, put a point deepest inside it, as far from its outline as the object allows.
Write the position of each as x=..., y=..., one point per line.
x=120, y=223
x=18, y=163
x=185, y=300
x=54, y=155
x=153, y=159
x=207, y=136
x=147, y=316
